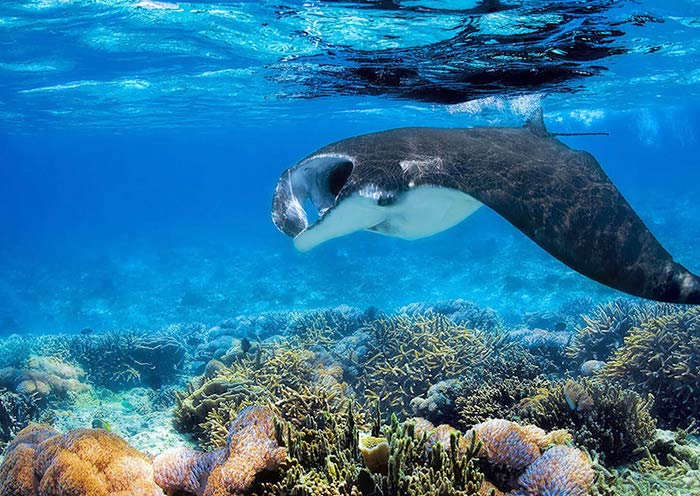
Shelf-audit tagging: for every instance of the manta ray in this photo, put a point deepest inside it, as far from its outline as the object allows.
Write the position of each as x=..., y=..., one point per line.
x=412, y=183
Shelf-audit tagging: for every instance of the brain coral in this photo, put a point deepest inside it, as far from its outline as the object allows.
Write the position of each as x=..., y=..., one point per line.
x=84, y=462
x=251, y=448
x=561, y=471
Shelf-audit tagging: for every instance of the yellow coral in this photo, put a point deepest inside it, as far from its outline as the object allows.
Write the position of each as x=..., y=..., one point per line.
x=375, y=453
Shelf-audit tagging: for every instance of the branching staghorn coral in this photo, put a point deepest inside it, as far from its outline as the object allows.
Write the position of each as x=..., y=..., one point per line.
x=613, y=422
x=662, y=357
x=324, y=459
x=607, y=327
x=488, y=388
x=123, y=359
x=290, y=379
x=16, y=412
x=409, y=354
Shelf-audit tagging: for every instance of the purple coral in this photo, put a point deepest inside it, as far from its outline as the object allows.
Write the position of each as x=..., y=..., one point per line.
x=561, y=471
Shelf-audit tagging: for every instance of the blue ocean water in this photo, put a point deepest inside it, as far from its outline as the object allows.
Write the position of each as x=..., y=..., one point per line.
x=140, y=143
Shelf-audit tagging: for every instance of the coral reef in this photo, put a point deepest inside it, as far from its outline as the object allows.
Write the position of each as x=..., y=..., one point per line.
x=561, y=470
x=44, y=376
x=465, y=313
x=608, y=325
x=406, y=354
x=126, y=359
x=662, y=357
x=295, y=381
x=16, y=412
x=251, y=448
x=83, y=462
x=613, y=422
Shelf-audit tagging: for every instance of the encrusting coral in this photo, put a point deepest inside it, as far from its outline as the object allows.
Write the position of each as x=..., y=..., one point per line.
x=83, y=462
x=251, y=448
x=662, y=357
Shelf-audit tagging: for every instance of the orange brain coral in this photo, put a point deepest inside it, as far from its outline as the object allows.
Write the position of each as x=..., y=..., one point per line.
x=84, y=462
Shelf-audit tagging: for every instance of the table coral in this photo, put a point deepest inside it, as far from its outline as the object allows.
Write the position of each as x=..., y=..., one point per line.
x=83, y=462
x=561, y=471
x=251, y=448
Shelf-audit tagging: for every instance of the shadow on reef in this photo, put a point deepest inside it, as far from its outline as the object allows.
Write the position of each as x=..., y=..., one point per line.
x=435, y=399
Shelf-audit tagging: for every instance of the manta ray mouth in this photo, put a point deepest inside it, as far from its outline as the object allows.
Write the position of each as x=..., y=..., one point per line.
x=319, y=179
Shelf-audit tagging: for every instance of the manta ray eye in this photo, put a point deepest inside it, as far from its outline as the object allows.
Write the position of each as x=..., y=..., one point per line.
x=338, y=177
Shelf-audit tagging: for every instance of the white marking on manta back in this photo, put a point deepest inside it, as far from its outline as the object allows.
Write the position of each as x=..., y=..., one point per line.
x=421, y=165
x=372, y=191
x=417, y=213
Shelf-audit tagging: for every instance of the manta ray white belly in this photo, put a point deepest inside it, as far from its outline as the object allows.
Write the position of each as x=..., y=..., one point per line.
x=418, y=213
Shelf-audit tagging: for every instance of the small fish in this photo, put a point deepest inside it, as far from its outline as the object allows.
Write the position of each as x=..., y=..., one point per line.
x=560, y=326
x=86, y=331
x=98, y=423
x=577, y=397
x=590, y=367
x=245, y=345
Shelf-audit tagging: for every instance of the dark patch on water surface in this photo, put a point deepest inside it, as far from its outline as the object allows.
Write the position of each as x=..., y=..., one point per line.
x=551, y=45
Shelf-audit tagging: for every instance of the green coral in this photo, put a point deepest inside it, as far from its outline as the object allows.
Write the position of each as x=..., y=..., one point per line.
x=662, y=357
x=291, y=379
x=408, y=354
x=608, y=325
x=613, y=422
x=323, y=459
x=669, y=470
